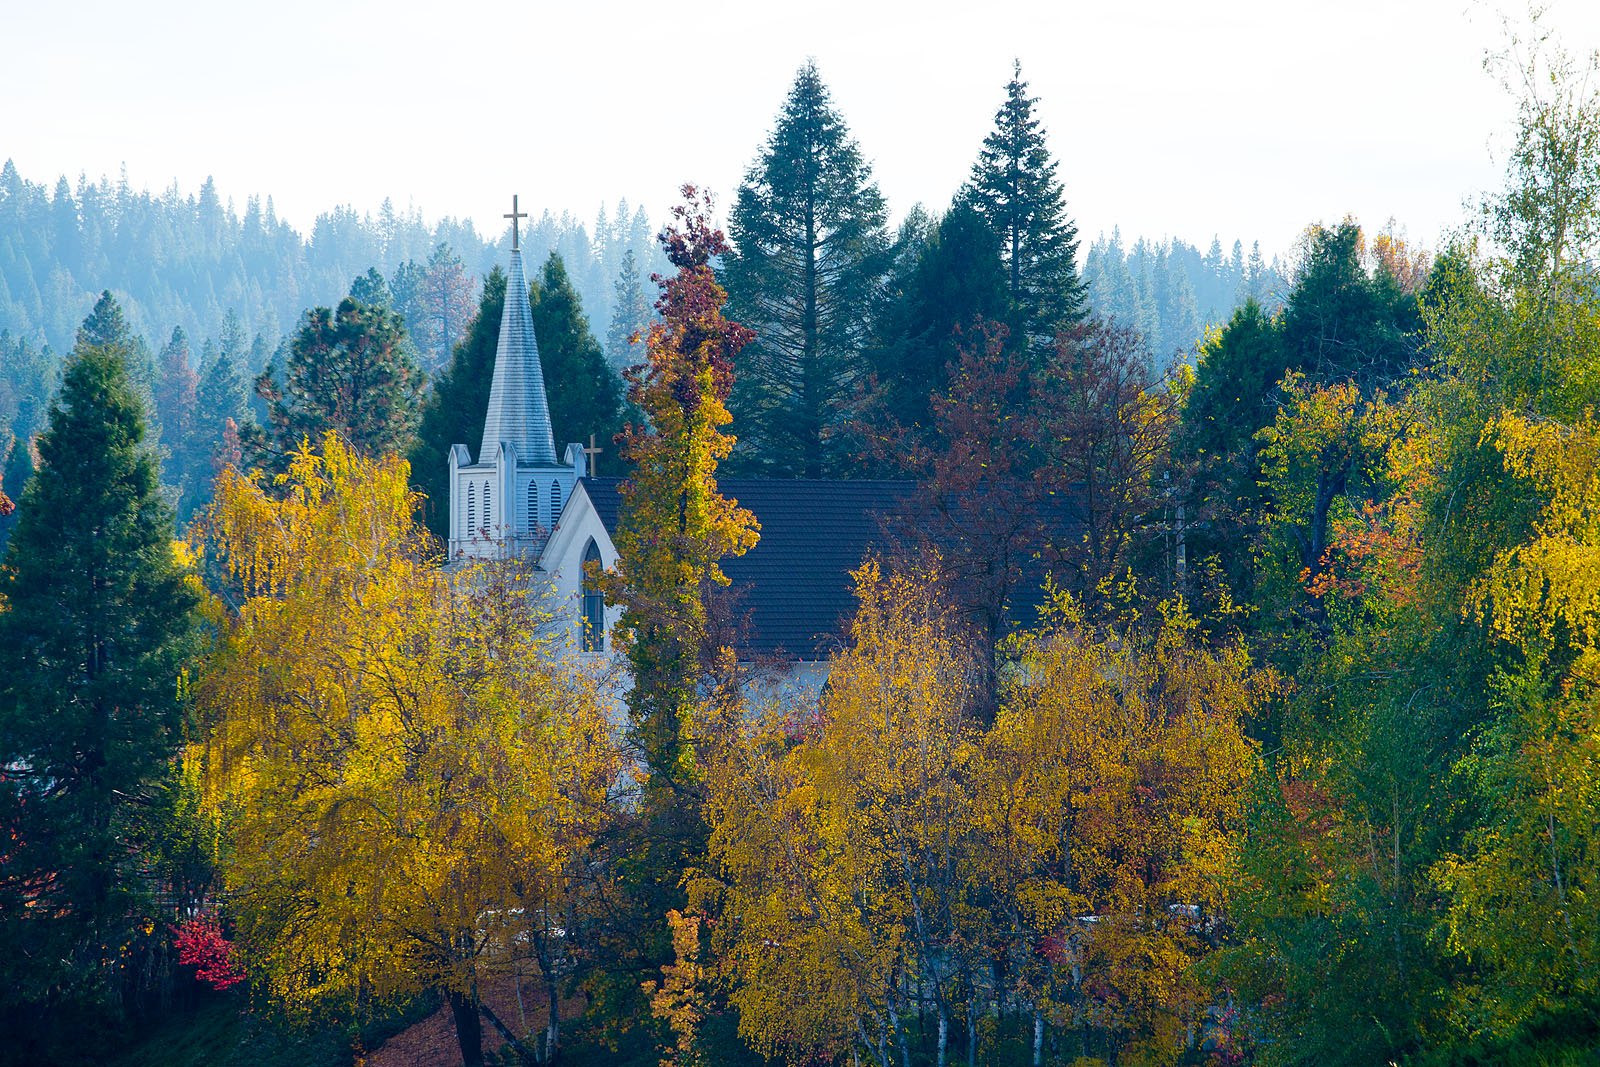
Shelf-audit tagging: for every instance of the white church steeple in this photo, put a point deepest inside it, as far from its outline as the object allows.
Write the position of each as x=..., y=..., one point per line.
x=510, y=499
x=519, y=412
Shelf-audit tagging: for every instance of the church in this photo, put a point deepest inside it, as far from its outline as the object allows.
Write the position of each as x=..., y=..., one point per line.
x=521, y=497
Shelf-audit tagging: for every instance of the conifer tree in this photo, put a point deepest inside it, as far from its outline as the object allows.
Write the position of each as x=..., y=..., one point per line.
x=630, y=316
x=810, y=244
x=372, y=290
x=175, y=405
x=454, y=410
x=1014, y=186
x=107, y=326
x=95, y=614
x=443, y=306
x=952, y=283
x=348, y=372
x=585, y=393
x=219, y=403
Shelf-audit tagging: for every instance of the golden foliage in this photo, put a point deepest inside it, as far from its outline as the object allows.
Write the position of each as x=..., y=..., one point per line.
x=409, y=765
x=886, y=864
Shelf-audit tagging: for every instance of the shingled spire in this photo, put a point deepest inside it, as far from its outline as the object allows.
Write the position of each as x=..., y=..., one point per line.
x=519, y=413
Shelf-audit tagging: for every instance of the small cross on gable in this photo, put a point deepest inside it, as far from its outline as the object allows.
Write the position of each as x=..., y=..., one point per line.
x=591, y=452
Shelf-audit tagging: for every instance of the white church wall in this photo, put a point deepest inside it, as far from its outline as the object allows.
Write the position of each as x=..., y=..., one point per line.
x=562, y=559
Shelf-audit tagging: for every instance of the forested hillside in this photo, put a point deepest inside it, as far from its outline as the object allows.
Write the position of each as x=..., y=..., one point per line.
x=187, y=259
x=241, y=279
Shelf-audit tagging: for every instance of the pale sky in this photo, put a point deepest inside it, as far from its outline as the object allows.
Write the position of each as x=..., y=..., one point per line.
x=1170, y=117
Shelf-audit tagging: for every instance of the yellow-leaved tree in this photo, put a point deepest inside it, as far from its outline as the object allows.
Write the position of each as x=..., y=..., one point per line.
x=412, y=771
x=887, y=876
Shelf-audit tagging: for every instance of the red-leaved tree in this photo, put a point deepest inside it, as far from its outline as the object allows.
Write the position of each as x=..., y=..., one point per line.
x=202, y=946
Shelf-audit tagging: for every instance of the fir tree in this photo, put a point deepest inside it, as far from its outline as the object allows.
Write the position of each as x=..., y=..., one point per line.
x=454, y=410
x=93, y=636
x=175, y=405
x=219, y=403
x=107, y=327
x=585, y=393
x=810, y=243
x=372, y=290
x=1014, y=186
x=348, y=372
x=952, y=283
x=630, y=317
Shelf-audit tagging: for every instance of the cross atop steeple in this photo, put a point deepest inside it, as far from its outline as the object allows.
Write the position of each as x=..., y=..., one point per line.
x=514, y=215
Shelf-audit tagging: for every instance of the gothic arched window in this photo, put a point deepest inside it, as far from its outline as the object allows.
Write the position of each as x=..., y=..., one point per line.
x=488, y=509
x=533, y=506
x=594, y=604
x=555, y=502
x=472, y=509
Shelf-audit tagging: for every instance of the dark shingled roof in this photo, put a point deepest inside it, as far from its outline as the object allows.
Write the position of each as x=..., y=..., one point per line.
x=794, y=585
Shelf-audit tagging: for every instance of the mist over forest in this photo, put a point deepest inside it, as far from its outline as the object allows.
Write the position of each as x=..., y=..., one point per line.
x=240, y=279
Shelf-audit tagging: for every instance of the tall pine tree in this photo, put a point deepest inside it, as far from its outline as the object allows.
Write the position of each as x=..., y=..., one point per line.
x=348, y=372
x=809, y=250
x=1015, y=187
x=95, y=614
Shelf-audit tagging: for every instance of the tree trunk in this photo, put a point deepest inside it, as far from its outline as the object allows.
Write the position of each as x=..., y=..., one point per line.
x=1038, y=1038
x=552, y=1030
x=524, y=1057
x=469, y=1030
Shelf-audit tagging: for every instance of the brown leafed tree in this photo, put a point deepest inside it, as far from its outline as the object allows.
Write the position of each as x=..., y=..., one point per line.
x=1107, y=423
x=983, y=517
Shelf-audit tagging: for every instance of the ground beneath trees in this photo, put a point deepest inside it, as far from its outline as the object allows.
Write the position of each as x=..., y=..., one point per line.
x=432, y=1042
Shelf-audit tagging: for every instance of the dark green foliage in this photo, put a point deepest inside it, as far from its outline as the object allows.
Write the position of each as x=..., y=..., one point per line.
x=348, y=373
x=1565, y=1035
x=372, y=290
x=13, y=478
x=227, y=1030
x=1015, y=188
x=107, y=327
x=213, y=428
x=809, y=248
x=946, y=283
x=585, y=392
x=93, y=639
x=1344, y=322
x=454, y=410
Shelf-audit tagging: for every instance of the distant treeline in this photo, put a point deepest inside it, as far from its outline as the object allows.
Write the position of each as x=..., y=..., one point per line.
x=1170, y=291
x=188, y=260
x=243, y=280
